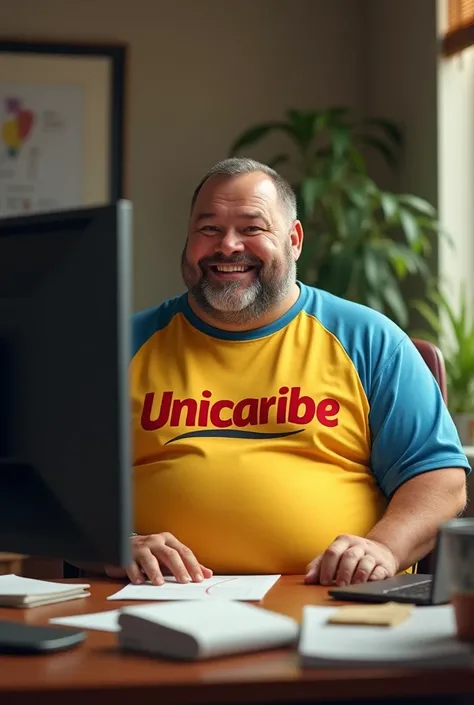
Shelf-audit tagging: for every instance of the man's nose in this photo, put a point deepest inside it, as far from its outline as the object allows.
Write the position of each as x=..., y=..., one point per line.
x=230, y=242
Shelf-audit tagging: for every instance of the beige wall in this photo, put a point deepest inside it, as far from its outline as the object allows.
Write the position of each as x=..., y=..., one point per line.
x=200, y=71
x=401, y=83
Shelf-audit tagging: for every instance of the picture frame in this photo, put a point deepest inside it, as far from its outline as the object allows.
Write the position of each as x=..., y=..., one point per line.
x=62, y=125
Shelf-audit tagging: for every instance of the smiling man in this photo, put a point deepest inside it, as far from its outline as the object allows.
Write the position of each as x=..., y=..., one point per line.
x=277, y=428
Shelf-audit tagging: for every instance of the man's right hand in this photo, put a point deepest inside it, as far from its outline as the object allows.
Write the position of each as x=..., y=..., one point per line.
x=157, y=552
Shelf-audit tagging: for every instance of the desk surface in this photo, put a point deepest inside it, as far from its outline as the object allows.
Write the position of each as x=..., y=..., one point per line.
x=96, y=672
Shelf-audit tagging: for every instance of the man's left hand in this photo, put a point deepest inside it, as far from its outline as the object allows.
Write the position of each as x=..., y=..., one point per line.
x=352, y=559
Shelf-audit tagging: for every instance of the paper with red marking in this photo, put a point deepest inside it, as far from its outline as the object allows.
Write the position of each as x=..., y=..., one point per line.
x=222, y=587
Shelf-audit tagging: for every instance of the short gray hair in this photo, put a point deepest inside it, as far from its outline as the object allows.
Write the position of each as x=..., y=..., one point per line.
x=234, y=166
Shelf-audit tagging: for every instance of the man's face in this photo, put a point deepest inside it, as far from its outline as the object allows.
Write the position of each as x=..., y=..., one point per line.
x=240, y=255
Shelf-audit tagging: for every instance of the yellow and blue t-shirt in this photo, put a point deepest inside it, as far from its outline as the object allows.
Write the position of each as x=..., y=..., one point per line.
x=256, y=449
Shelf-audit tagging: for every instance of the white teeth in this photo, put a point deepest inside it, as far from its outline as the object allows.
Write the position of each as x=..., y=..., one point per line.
x=231, y=268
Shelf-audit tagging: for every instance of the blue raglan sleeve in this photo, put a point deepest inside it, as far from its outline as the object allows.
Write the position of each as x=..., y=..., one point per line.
x=146, y=323
x=143, y=326
x=412, y=430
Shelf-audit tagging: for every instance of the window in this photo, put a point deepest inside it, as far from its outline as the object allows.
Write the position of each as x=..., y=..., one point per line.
x=460, y=31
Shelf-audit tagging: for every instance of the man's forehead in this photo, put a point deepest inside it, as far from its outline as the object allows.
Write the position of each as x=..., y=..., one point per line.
x=255, y=189
x=246, y=212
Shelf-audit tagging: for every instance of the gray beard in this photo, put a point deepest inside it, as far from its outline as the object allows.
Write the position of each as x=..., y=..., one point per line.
x=225, y=304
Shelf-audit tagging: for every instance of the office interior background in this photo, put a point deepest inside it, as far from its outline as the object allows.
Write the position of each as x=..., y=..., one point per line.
x=198, y=74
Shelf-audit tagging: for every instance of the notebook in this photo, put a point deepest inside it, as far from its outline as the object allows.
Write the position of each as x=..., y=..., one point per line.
x=427, y=639
x=202, y=630
x=16, y=591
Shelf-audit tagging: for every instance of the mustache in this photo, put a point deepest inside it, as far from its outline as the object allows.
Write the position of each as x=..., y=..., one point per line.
x=238, y=258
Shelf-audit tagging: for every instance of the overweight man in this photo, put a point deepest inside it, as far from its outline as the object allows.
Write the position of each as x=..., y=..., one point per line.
x=276, y=427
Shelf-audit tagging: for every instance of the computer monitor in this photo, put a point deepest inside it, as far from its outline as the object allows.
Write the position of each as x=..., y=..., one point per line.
x=65, y=449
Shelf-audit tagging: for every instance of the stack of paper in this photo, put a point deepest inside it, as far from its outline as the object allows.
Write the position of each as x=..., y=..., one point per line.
x=222, y=587
x=203, y=630
x=426, y=639
x=16, y=591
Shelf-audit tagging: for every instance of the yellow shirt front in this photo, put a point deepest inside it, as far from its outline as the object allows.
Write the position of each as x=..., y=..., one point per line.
x=257, y=449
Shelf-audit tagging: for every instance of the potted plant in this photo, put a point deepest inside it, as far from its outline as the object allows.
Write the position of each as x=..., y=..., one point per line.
x=352, y=227
x=456, y=341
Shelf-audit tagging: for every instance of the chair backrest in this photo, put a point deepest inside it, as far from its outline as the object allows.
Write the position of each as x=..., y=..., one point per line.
x=433, y=357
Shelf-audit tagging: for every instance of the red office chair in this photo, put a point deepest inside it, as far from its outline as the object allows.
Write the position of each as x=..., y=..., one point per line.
x=435, y=361
x=433, y=357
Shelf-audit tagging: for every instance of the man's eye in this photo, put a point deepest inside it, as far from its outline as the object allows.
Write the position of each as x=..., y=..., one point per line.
x=253, y=229
x=209, y=229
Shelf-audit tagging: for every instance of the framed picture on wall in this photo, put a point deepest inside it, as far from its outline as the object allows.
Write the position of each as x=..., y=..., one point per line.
x=62, y=125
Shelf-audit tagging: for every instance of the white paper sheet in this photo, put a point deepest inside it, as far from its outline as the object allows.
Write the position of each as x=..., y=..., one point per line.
x=427, y=637
x=102, y=621
x=16, y=585
x=223, y=587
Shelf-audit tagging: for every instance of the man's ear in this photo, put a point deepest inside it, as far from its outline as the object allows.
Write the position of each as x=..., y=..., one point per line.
x=296, y=239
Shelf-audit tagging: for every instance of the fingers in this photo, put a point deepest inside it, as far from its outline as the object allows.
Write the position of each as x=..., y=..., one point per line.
x=349, y=563
x=364, y=569
x=350, y=560
x=184, y=559
x=149, y=552
x=149, y=566
x=145, y=566
x=378, y=573
x=330, y=560
x=163, y=552
x=313, y=570
x=172, y=560
x=135, y=573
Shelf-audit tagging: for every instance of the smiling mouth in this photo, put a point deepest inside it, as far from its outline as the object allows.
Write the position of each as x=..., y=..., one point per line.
x=231, y=268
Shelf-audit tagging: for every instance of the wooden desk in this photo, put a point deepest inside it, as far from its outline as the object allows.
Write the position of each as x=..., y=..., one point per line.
x=96, y=673
x=11, y=563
